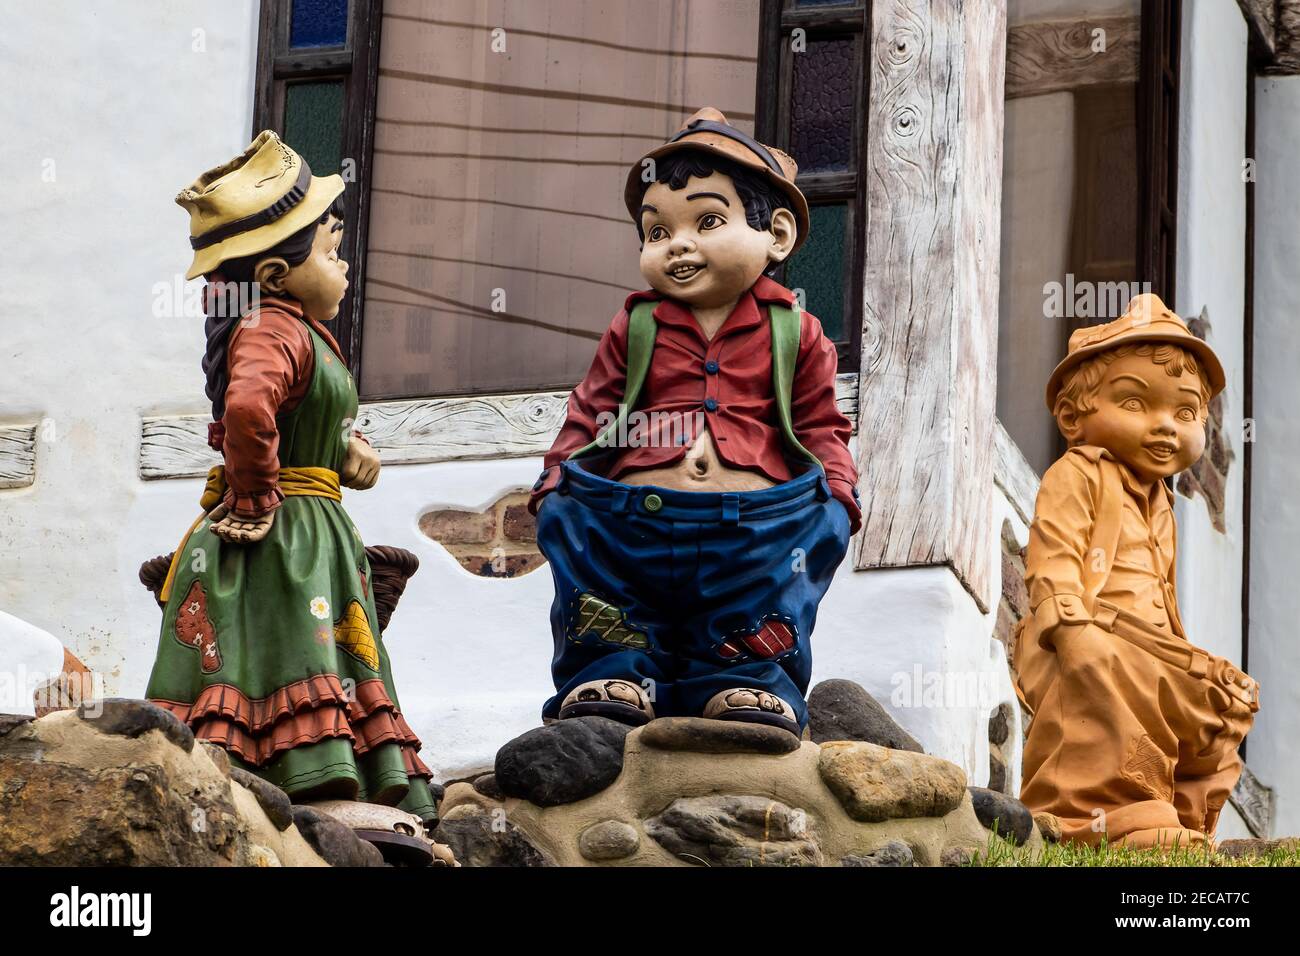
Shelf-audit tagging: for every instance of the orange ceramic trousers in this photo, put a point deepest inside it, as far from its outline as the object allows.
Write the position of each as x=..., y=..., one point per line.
x=1133, y=729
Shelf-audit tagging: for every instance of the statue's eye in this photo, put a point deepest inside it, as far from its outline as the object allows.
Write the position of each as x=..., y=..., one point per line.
x=711, y=221
x=1187, y=414
x=1131, y=404
x=657, y=233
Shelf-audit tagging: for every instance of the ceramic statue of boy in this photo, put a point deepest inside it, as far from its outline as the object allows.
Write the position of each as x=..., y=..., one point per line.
x=701, y=492
x=1135, y=730
x=270, y=644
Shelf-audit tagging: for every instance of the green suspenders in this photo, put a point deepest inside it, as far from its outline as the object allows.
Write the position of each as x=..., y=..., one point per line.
x=785, y=324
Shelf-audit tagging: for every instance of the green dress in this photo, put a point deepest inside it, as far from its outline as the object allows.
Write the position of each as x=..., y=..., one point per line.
x=272, y=650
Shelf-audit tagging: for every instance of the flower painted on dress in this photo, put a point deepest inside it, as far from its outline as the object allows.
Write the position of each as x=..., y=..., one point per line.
x=320, y=608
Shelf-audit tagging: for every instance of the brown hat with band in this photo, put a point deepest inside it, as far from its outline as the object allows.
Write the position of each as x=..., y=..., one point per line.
x=708, y=130
x=252, y=203
x=1146, y=319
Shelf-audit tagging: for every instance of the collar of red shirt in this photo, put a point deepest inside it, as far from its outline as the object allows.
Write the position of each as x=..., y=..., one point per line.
x=745, y=315
x=294, y=308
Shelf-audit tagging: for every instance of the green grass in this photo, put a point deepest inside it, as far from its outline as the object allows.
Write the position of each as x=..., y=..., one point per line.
x=1002, y=852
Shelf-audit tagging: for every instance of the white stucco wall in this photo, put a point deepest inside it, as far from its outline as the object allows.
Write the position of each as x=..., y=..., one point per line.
x=1275, y=532
x=108, y=111
x=1211, y=276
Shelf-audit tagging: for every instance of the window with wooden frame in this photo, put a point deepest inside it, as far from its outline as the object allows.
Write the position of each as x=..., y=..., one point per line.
x=812, y=100
x=1089, y=188
x=316, y=66
x=487, y=238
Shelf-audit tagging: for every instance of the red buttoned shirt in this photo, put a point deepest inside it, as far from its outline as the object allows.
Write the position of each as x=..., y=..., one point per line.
x=725, y=382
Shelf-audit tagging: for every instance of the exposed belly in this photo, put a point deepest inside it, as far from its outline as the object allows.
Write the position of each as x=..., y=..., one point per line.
x=700, y=470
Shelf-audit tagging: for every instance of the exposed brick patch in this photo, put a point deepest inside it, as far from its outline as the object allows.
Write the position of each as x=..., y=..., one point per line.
x=1209, y=476
x=459, y=527
x=499, y=542
x=519, y=523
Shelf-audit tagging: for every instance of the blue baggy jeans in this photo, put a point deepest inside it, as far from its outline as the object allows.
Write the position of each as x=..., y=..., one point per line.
x=688, y=593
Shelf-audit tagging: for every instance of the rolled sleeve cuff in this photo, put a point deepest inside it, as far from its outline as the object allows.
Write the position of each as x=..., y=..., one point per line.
x=544, y=485
x=1060, y=610
x=253, y=505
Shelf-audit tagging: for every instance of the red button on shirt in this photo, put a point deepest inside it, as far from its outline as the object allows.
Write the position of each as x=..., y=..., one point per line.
x=737, y=401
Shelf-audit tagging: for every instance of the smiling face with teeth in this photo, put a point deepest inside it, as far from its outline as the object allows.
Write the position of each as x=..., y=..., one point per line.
x=1149, y=417
x=699, y=248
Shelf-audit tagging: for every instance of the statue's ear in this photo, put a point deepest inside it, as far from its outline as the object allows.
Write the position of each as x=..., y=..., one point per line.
x=1069, y=420
x=270, y=273
x=784, y=233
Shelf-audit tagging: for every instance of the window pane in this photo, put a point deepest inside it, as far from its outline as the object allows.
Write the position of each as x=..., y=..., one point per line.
x=822, y=106
x=1069, y=214
x=313, y=118
x=318, y=23
x=499, y=246
x=818, y=268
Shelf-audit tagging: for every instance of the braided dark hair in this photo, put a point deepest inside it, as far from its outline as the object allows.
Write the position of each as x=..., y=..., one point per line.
x=223, y=299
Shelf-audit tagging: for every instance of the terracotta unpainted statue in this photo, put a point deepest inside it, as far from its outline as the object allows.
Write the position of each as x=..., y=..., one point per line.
x=1135, y=731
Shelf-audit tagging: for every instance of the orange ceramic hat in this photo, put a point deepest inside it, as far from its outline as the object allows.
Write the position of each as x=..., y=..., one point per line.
x=709, y=130
x=1146, y=319
x=253, y=202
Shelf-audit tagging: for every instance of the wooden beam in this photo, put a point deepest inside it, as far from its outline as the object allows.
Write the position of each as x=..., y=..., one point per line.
x=1013, y=474
x=929, y=338
x=1286, y=41
x=17, y=455
x=1057, y=55
x=1261, y=21
x=405, y=432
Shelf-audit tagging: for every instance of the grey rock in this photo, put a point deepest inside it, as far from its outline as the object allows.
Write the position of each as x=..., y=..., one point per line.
x=487, y=785
x=126, y=717
x=336, y=844
x=274, y=802
x=608, y=840
x=11, y=722
x=479, y=839
x=958, y=856
x=697, y=735
x=562, y=762
x=1000, y=725
x=843, y=710
x=893, y=853
x=997, y=772
x=733, y=830
x=1007, y=815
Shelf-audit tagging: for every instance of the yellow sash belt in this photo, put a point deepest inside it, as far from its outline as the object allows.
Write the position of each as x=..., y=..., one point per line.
x=294, y=483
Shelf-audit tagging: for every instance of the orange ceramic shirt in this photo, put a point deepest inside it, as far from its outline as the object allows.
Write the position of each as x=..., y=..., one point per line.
x=1062, y=566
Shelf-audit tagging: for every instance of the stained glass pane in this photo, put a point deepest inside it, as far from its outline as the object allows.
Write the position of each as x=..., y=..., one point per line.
x=318, y=23
x=313, y=119
x=818, y=268
x=821, y=108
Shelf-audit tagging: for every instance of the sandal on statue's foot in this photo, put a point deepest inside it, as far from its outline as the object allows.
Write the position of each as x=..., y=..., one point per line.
x=754, y=706
x=619, y=700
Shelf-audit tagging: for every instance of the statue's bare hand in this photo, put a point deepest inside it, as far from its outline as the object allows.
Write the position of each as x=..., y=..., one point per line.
x=360, y=466
x=236, y=530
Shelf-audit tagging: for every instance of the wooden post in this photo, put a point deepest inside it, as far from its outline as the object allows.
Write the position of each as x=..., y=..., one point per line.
x=929, y=341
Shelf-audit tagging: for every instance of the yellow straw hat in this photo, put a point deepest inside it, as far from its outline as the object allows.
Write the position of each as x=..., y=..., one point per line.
x=250, y=204
x=1147, y=319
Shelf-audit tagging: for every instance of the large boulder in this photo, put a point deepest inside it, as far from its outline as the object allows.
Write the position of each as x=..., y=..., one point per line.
x=126, y=785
